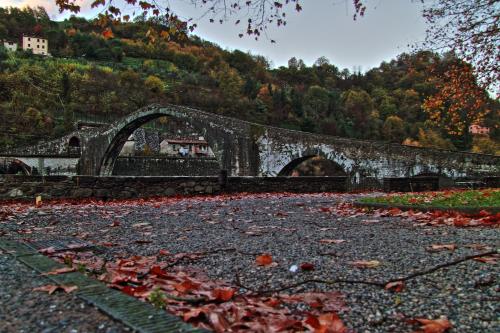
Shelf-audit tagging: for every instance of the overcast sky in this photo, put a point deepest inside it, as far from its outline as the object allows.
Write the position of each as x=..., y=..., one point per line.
x=322, y=28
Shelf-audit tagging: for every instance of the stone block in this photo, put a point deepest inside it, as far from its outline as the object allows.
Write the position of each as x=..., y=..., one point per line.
x=169, y=191
x=81, y=193
x=199, y=188
x=15, y=193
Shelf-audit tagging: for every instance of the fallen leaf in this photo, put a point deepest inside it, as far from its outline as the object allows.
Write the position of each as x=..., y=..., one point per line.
x=50, y=288
x=222, y=294
x=115, y=223
x=396, y=286
x=488, y=259
x=68, y=289
x=264, y=260
x=61, y=270
x=366, y=263
x=186, y=286
x=164, y=253
x=441, y=247
x=47, y=250
x=434, y=326
x=307, y=266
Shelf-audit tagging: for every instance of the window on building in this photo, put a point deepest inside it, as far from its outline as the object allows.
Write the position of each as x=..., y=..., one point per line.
x=38, y=40
x=29, y=45
x=29, y=39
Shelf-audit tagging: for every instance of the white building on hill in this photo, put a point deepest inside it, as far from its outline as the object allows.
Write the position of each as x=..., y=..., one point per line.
x=10, y=46
x=37, y=45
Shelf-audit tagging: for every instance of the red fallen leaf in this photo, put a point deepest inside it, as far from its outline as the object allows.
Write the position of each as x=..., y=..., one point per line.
x=164, y=253
x=441, y=247
x=325, y=209
x=313, y=322
x=219, y=323
x=434, y=326
x=61, y=270
x=366, y=263
x=186, y=286
x=115, y=223
x=222, y=294
x=332, y=241
x=396, y=286
x=158, y=271
x=264, y=260
x=332, y=323
x=47, y=250
x=193, y=313
x=488, y=260
x=68, y=289
x=273, y=302
x=132, y=291
x=307, y=266
x=281, y=214
x=326, y=323
x=50, y=288
x=107, y=244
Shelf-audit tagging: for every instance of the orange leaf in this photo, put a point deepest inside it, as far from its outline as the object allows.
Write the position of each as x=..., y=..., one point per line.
x=434, y=326
x=441, y=247
x=186, y=286
x=50, y=288
x=264, y=260
x=223, y=294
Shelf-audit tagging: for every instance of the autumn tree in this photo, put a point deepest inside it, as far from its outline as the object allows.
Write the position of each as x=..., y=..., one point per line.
x=470, y=29
x=393, y=129
x=459, y=101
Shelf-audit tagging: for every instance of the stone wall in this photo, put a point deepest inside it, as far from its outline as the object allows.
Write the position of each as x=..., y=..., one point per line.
x=165, y=166
x=27, y=187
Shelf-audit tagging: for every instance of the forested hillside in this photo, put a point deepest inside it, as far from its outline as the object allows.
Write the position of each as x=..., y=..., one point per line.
x=99, y=71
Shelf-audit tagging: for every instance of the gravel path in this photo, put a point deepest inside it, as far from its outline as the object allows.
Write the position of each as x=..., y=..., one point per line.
x=290, y=229
x=25, y=310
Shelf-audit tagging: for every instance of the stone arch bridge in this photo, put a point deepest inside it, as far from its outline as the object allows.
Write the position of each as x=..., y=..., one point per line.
x=248, y=149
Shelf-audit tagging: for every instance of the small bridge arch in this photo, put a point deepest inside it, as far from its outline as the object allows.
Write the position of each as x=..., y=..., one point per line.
x=333, y=167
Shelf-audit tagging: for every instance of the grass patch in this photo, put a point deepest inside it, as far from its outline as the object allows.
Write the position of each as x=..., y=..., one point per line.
x=484, y=198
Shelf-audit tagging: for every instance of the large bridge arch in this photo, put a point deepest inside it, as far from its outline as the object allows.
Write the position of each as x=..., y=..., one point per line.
x=225, y=136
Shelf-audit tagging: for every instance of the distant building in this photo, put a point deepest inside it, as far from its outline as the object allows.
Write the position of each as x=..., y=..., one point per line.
x=37, y=45
x=186, y=148
x=129, y=147
x=477, y=129
x=10, y=46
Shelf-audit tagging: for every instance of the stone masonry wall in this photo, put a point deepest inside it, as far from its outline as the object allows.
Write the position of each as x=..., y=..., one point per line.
x=27, y=187
x=165, y=166
x=75, y=187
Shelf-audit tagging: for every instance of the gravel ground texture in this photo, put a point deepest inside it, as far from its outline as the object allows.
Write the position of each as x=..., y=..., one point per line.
x=25, y=310
x=290, y=228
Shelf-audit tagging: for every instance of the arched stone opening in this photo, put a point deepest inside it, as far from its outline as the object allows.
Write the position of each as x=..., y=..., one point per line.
x=74, y=147
x=312, y=165
x=124, y=131
x=16, y=167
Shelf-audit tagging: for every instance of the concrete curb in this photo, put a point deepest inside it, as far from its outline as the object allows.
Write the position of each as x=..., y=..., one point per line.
x=465, y=210
x=141, y=317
